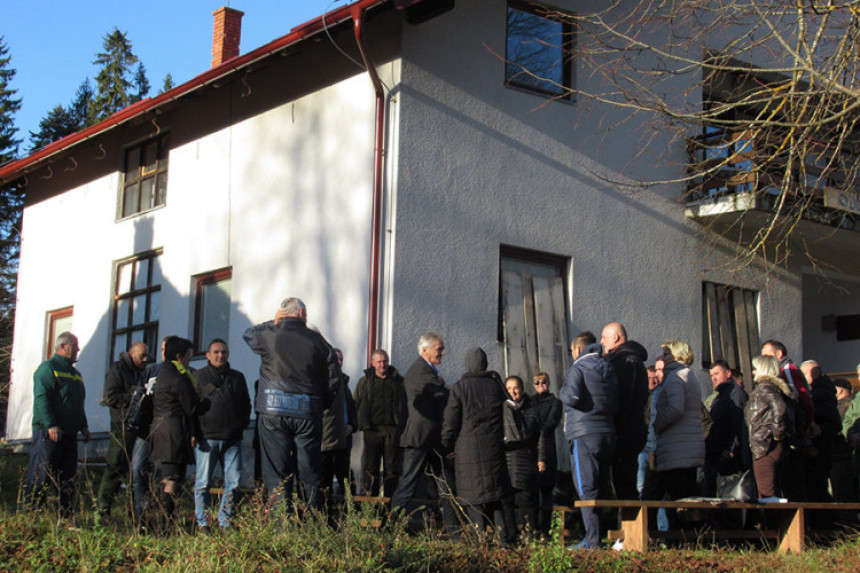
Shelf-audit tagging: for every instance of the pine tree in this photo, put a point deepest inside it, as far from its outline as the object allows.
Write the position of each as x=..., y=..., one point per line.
x=168, y=84
x=141, y=82
x=81, y=107
x=59, y=123
x=113, y=81
x=11, y=205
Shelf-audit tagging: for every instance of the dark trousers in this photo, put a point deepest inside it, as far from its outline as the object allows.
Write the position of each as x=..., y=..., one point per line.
x=792, y=478
x=485, y=515
x=520, y=513
x=335, y=466
x=51, y=465
x=625, y=469
x=716, y=465
x=118, y=461
x=380, y=445
x=546, y=483
x=671, y=484
x=283, y=439
x=424, y=475
x=590, y=457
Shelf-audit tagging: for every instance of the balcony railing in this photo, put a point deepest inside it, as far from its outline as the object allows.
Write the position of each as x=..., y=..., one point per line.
x=731, y=168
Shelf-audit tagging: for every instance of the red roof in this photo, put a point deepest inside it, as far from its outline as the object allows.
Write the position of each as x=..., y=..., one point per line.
x=21, y=167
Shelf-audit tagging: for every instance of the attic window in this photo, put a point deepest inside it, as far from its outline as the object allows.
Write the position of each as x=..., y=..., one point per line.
x=145, y=177
x=539, y=49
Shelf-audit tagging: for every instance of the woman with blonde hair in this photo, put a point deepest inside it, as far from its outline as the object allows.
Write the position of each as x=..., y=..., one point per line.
x=770, y=417
x=680, y=442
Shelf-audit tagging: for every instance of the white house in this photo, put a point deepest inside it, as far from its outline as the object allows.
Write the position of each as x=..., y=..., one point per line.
x=383, y=164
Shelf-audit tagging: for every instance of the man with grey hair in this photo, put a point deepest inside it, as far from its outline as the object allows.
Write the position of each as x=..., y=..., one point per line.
x=299, y=378
x=421, y=439
x=58, y=416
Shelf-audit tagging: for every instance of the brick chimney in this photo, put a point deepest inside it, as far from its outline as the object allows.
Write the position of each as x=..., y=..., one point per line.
x=226, y=34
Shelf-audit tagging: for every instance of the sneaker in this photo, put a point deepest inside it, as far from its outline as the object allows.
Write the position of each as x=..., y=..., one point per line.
x=581, y=545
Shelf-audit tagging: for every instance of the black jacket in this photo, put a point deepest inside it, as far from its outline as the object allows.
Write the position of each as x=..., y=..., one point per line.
x=631, y=425
x=224, y=394
x=523, y=441
x=727, y=416
x=590, y=396
x=175, y=404
x=335, y=419
x=120, y=381
x=425, y=397
x=295, y=361
x=549, y=411
x=827, y=417
x=473, y=430
x=377, y=400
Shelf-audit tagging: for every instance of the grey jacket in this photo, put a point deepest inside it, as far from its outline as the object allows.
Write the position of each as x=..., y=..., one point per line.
x=678, y=425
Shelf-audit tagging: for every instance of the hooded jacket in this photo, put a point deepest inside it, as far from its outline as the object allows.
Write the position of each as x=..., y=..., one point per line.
x=473, y=430
x=631, y=424
x=770, y=414
x=590, y=395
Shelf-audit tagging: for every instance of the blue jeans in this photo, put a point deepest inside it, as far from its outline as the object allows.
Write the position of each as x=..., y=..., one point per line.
x=51, y=464
x=284, y=439
x=141, y=469
x=208, y=453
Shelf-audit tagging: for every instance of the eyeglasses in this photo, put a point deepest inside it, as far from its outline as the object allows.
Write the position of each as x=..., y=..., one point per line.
x=539, y=382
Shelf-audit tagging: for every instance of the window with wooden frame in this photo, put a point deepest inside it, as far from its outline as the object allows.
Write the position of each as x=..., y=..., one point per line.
x=136, y=303
x=212, y=292
x=539, y=49
x=532, y=324
x=144, y=184
x=730, y=329
x=58, y=321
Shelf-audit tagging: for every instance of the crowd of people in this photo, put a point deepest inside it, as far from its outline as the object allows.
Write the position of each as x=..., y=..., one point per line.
x=482, y=451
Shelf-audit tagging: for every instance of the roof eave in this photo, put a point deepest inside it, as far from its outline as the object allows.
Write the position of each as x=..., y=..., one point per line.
x=21, y=167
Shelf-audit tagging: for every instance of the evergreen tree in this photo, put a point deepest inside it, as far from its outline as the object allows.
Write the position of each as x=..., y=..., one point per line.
x=168, y=84
x=141, y=82
x=11, y=202
x=59, y=123
x=114, y=81
x=82, y=105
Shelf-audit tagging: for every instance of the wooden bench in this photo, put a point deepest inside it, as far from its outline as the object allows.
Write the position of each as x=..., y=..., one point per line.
x=790, y=518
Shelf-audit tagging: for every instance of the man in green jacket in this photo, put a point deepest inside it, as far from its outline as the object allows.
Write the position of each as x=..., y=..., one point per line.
x=58, y=416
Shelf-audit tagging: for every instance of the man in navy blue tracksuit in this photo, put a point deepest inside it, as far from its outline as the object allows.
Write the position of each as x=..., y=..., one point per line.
x=590, y=398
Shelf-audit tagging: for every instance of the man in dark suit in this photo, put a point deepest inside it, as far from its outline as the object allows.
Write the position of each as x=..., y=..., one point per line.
x=420, y=442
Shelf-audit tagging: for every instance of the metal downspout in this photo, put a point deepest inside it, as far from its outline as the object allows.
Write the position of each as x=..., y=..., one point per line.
x=378, y=160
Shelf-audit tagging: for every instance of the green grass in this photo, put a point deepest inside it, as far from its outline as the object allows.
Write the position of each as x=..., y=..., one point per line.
x=273, y=540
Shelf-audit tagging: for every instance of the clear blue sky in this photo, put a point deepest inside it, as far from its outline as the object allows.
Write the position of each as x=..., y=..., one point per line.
x=53, y=42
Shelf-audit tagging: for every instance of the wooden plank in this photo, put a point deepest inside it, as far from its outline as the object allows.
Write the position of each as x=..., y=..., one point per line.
x=530, y=331
x=752, y=335
x=741, y=329
x=513, y=322
x=634, y=523
x=560, y=340
x=712, y=325
x=545, y=328
x=727, y=333
x=793, y=533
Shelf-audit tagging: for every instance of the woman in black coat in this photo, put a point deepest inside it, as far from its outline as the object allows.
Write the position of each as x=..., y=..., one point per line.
x=473, y=431
x=523, y=440
x=174, y=402
x=549, y=412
